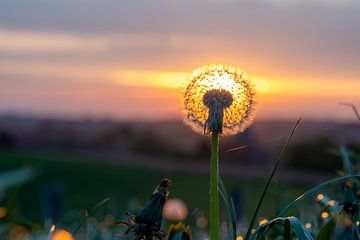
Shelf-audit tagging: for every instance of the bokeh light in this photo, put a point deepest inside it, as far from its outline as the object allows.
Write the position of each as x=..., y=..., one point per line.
x=62, y=235
x=175, y=210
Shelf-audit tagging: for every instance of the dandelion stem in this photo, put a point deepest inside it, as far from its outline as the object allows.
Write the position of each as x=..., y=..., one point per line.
x=214, y=185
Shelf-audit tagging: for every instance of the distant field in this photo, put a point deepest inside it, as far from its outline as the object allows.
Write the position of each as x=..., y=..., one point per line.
x=85, y=182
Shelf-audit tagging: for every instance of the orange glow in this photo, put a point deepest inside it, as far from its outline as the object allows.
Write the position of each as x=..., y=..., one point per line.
x=264, y=85
x=103, y=74
x=320, y=197
x=3, y=212
x=325, y=215
x=331, y=203
x=149, y=78
x=175, y=209
x=62, y=235
x=19, y=232
x=106, y=90
x=167, y=79
x=263, y=221
x=153, y=103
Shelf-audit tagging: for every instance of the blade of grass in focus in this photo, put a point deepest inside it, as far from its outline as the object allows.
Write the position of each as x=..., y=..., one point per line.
x=248, y=233
x=87, y=214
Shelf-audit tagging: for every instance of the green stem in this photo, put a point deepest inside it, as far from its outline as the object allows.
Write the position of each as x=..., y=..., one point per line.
x=214, y=185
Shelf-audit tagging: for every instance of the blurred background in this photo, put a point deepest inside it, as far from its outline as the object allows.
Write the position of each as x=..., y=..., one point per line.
x=90, y=102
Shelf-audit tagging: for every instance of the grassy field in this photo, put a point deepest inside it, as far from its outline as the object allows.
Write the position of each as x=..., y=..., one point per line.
x=85, y=182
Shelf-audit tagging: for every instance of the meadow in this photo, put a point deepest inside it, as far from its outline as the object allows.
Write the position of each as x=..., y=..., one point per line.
x=84, y=182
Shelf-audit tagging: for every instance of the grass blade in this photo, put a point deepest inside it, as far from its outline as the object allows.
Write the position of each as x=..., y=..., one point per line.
x=346, y=161
x=87, y=214
x=287, y=229
x=300, y=232
x=327, y=231
x=292, y=222
x=248, y=233
x=313, y=190
x=229, y=210
x=99, y=205
x=353, y=107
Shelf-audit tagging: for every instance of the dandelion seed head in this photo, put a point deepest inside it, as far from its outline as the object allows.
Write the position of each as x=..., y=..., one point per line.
x=223, y=88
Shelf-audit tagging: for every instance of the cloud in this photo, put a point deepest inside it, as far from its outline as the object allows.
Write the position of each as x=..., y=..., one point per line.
x=37, y=42
x=59, y=48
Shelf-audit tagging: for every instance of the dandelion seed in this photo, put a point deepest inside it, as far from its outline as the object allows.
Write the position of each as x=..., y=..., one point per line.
x=219, y=98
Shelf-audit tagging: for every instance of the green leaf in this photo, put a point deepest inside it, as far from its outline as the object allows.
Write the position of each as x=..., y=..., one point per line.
x=87, y=214
x=297, y=228
x=15, y=177
x=327, y=231
x=99, y=204
x=301, y=232
x=348, y=167
x=229, y=210
x=287, y=229
x=344, y=230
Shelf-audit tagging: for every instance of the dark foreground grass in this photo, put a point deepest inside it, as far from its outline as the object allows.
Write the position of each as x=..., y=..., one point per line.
x=86, y=181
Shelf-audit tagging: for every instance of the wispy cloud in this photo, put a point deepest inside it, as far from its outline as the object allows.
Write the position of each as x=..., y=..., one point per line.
x=34, y=41
x=90, y=56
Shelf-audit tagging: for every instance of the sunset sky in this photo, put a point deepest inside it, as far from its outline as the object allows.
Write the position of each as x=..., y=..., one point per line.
x=126, y=59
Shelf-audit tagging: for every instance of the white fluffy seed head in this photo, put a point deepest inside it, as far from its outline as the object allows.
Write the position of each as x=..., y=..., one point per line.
x=220, y=87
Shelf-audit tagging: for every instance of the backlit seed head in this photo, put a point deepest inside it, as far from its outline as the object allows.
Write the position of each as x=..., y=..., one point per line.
x=218, y=98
